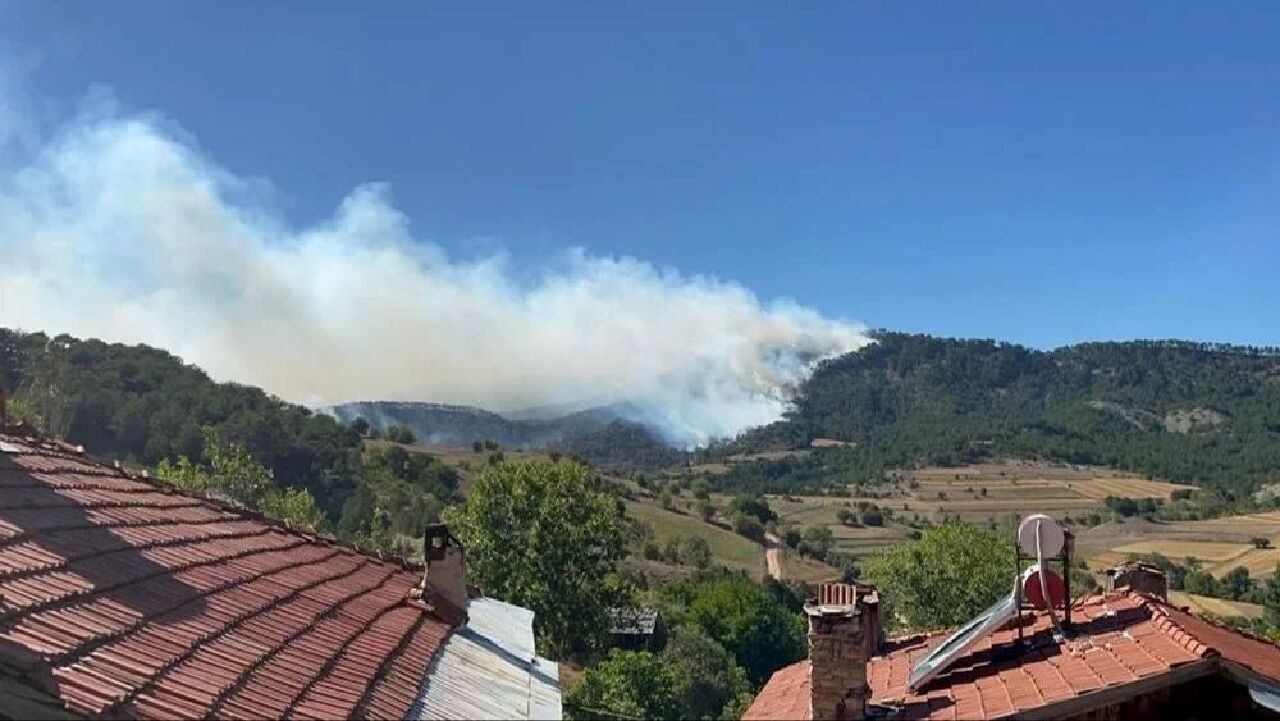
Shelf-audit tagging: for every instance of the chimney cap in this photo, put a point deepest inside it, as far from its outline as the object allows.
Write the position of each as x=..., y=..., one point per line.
x=840, y=599
x=1146, y=566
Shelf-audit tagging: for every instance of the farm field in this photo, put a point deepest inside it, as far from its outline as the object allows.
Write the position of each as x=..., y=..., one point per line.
x=983, y=493
x=727, y=548
x=1221, y=544
x=1211, y=553
x=801, y=568
x=1215, y=606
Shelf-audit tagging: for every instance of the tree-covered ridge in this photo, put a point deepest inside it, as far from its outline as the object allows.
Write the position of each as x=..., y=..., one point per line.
x=145, y=406
x=1200, y=412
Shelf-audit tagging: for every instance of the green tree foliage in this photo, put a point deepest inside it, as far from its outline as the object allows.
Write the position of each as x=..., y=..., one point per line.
x=706, y=511
x=637, y=684
x=411, y=488
x=695, y=551
x=742, y=616
x=816, y=541
x=401, y=434
x=953, y=572
x=296, y=506
x=544, y=536
x=748, y=527
x=910, y=399
x=360, y=426
x=708, y=681
x=231, y=472
x=872, y=516
x=1236, y=584
x=753, y=506
x=143, y=405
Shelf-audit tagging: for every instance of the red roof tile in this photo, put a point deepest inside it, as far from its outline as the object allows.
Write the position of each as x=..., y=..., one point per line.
x=1119, y=639
x=121, y=596
x=785, y=696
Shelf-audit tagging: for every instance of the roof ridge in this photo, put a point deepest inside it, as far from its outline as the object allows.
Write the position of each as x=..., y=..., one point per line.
x=1216, y=623
x=1177, y=632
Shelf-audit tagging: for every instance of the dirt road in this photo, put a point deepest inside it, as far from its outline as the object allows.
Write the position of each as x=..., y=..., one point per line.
x=772, y=557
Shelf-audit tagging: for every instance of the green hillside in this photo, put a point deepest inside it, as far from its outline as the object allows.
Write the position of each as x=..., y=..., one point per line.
x=1203, y=413
x=142, y=405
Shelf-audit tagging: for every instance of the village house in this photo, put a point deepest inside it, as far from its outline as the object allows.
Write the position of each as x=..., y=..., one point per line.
x=1128, y=654
x=123, y=597
x=636, y=629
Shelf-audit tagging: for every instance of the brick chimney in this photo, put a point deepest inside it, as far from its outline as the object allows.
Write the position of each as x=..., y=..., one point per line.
x=844, y=633
x=444, y=583
x=1138, y=576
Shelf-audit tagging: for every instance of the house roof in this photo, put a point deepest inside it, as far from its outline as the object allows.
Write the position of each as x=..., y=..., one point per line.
x=122, y=597
x=489, y=670
x=629, y=620
x=1122, y=640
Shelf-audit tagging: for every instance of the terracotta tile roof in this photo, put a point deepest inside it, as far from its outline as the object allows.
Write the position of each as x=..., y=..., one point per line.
x=1120, y=638
x=121, y=597
x=785, y=696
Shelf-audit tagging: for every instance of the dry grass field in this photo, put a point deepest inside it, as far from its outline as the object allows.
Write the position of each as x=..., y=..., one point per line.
x=1212, y=554
x=1221, y=544
x=983, y=493
x=801, y=568
x=1215, y=606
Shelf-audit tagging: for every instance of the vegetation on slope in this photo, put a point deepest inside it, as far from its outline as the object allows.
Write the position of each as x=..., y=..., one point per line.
x=1197, y=412
x=145, y=406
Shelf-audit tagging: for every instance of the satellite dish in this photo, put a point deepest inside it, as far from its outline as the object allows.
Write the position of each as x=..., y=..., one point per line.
x=1052, y=537
x=1033, y=591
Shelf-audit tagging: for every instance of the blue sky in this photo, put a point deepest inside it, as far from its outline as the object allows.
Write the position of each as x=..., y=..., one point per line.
x=1038, y=172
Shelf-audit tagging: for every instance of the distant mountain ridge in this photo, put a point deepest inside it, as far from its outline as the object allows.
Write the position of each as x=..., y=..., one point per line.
x=441, y=424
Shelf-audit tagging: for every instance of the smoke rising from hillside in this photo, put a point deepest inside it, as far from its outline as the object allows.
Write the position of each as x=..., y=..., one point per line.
x=118, y=228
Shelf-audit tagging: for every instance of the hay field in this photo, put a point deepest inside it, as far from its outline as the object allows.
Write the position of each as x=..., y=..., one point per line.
x=1212, y=554
x=800, y=568
x=1215, y=606
x=1127, y=487
x=1221, y=544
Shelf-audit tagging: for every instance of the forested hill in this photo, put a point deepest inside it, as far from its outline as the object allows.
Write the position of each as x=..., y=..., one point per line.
x=144, y=405
x=1207, y=413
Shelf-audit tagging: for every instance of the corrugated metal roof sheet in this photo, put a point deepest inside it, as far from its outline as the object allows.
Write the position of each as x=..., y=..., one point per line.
x=489, y=670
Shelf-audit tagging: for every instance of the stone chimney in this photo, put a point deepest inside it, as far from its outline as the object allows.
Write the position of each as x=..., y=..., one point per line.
x=1139, y=576
x=444, y=583
x=844, y=633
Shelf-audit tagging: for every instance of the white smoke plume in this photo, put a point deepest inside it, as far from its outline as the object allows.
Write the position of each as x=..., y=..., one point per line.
x=116, y=226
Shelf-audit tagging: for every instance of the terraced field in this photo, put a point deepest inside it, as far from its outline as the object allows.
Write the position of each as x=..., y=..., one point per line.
x=1212, y=553
x=1221, y=544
